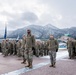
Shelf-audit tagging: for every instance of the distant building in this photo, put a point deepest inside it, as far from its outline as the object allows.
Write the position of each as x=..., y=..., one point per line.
x=65, y=37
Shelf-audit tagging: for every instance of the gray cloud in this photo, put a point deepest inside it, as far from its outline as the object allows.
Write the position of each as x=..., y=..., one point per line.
x=15, y=23
x=22, y=20
x=65, y=8
x=29, y=16
x=19, y=13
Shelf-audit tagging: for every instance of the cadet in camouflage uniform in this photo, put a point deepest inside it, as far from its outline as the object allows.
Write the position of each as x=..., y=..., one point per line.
x=45, y=48
x=11, y=47
x=75, y=46
x=6, y=52
x=23, y=49
x=14, y=47
x=3, y=46
x=53, y=48
x=41, y=48
x=0, y=48
x=70, y=47
x=30, y=42
x=37, y=48
x=18, y=47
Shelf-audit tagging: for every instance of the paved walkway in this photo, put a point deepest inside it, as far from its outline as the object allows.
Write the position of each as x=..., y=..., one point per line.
x=63, y=67
x=11, y=65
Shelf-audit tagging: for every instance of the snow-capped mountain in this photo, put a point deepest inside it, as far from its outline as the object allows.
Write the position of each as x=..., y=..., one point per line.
x=43, y=31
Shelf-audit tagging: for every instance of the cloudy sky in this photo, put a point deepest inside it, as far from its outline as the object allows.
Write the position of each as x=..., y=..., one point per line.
x=19, y=13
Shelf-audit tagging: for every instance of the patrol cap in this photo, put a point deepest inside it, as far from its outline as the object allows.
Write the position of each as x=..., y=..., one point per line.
x=51, y=35
x=28, y=30
x=7, y=39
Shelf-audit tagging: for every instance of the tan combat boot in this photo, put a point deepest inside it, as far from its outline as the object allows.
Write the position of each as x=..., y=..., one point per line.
x=24, y=62
x=54, y=66
x=51, y=66
x=30, y=65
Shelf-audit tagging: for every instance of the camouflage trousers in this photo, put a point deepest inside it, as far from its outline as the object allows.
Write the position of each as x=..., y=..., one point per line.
x=14, y=51
x=75, y=49
x=3, y=49
x=6, y=51
x=41, y=52
x=22, y=53
x=45, y=52
x=37, y=52
x=28, y=54
x=70, y=51
x=52, y=54
x=19, y=52
x=11, y=51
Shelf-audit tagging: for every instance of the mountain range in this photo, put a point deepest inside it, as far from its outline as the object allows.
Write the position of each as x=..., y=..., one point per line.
x=43, y=31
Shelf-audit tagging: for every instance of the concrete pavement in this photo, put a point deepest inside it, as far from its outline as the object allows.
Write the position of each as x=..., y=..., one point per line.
x=11, y=65
x=63, y=67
